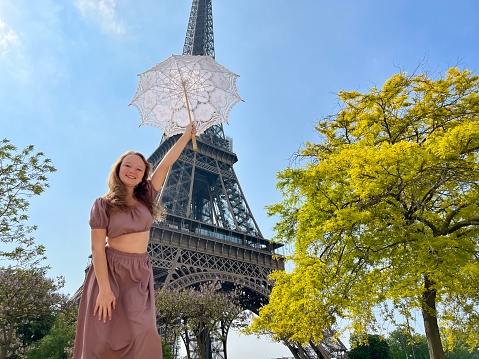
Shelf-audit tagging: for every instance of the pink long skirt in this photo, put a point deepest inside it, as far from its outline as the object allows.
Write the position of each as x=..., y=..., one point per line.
x=131, y=333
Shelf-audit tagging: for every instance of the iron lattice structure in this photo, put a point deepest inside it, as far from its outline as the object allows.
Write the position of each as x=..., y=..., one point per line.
x=199, y=35
x=209, y=232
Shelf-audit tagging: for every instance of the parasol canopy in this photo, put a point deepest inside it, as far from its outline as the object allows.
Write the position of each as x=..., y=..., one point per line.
x=184, y=89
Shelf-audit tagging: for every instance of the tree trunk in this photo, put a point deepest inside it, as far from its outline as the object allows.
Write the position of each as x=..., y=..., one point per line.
x=186, y=340
x=7, y=338
x=225, y=327
x=317, y=350
x=202, y=337
x=429, y=316
x=301, y=351
x=292, y=349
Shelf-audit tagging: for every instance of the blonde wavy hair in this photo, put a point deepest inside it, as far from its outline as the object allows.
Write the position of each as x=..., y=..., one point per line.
x=117, y=195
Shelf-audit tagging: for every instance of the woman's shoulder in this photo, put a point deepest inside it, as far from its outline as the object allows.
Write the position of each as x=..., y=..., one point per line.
x=102, y=201
x=99, y=213
x=150, y=188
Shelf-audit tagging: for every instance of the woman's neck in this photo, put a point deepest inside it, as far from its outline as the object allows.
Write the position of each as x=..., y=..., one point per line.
x=130, y=196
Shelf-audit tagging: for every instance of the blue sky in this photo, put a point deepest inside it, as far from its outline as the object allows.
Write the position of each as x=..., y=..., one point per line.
x=68, y=70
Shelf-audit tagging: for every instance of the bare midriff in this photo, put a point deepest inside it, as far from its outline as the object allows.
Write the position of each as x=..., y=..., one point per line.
x=131, y=242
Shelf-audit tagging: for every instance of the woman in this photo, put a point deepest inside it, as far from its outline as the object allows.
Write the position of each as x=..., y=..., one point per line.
x=117, y=316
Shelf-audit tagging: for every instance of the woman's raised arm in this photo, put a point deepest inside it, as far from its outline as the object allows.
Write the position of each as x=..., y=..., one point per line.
x=159, y=175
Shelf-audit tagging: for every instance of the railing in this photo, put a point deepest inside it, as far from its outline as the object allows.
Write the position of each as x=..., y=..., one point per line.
x=207, y=231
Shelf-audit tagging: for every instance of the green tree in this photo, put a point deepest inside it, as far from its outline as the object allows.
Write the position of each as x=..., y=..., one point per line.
x=25, y=295
x=58, y=343
x=167, y=351
x=383, y=214
x=414, y=346
x=403, y=345
x=22, y=175
x=199, y=312
x=171, y=304
x=374, y=347
x=35, y=328
x=462, y=351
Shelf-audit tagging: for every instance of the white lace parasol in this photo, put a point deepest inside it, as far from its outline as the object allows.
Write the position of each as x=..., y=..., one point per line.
x=184, y=88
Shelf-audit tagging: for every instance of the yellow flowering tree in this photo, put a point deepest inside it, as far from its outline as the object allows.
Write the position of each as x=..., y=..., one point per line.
x=383, y=213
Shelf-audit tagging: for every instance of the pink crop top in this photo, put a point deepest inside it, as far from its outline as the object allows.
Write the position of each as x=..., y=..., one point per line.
x=135, y=219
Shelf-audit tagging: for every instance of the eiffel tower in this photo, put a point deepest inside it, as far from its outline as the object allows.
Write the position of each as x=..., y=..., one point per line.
x=209, y=232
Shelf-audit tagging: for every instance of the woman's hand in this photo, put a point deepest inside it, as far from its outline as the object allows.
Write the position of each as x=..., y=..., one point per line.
x=190, y=130
x=105, y=303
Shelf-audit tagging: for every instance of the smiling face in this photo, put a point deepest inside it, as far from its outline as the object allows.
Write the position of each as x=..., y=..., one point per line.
x=132, y=170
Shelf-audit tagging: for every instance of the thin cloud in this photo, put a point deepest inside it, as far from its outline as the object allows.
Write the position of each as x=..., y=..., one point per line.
x=8, y=39
x=102, y=12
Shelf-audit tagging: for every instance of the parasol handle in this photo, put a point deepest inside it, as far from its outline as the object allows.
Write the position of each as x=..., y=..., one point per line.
x=193, y=137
